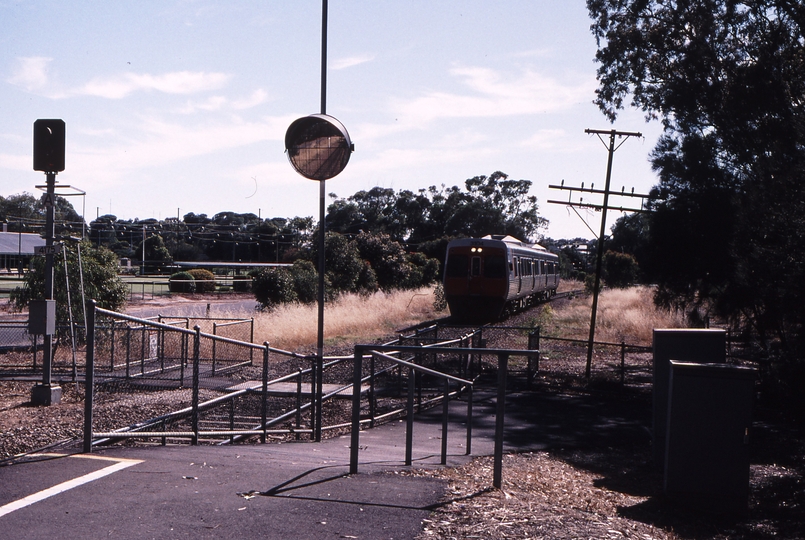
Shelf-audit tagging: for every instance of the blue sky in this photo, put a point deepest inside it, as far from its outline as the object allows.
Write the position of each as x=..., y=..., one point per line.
x=181, y=106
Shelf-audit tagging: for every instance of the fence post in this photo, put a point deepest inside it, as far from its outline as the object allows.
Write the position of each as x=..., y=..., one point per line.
x=264, y=403
x=89, y=378
x=372, y=404
x=298, y=403
x=111, y=345
x=128, y=351
x=533, y=345
x=143, y=336
x=623, y=360
x=232, y=419
x=503, y=366
x=251, y=340
x=214, y=343
x=445, y=419
x=313, y=400
x=196, y=352
x=357, y=375
x=182, y=359
x=469, y=420
x=409, y=416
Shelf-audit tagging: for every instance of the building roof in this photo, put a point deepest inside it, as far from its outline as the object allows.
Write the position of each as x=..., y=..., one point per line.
x=12, y=243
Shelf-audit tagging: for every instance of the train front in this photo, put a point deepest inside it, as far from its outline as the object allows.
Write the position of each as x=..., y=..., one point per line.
x=476, y=279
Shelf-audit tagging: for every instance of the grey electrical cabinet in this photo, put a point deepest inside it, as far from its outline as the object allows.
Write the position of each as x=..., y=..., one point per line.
x=42, y=317
x=697, y=345
x=707, y=436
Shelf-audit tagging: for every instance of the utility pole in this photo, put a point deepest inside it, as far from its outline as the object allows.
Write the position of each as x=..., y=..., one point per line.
x=611, y=148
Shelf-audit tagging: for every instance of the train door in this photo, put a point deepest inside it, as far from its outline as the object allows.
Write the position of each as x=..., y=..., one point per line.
x=518, y=273
x=476, y=284
x=543, y=272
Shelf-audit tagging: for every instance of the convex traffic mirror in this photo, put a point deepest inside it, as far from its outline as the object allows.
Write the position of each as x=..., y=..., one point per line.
x=318, y=146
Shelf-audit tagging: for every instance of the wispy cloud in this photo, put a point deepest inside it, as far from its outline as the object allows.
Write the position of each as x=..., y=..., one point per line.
x=493, y=94
x=350, y=61
x=154, y=142
x=217, y=103
x=179, y=82
x=30, y=72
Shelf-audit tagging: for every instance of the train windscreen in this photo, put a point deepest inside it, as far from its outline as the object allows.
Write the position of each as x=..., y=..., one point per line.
x=457, y=265
x=495, y=266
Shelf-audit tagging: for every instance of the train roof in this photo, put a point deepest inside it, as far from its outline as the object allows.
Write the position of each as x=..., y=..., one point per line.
x=500, y=238
x=512, y=240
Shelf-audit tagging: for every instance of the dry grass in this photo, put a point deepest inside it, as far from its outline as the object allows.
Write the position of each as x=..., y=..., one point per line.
x=623, y=315
x=350, y=319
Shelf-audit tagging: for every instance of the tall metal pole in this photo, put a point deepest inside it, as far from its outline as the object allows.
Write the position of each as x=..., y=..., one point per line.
x=320, y=330
x=47, y=393
x=600, y=254
x=323, y=57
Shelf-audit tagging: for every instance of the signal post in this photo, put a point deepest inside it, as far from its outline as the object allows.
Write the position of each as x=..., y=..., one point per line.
x=49, y=138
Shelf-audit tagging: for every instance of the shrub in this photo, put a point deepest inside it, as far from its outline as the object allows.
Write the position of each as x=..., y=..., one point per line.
x=182, y=282
x=205, y=280
x=274, y=286
x=305, y=281
x=621, y=269
x=367, y=279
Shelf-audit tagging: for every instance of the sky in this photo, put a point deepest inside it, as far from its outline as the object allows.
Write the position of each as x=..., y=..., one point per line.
x=178, y=106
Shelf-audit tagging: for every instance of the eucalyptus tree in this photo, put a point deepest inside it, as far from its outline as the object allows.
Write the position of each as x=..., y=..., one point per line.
x=727, y=80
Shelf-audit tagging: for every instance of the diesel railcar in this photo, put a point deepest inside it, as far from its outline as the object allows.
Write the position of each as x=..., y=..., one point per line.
x=488, y=278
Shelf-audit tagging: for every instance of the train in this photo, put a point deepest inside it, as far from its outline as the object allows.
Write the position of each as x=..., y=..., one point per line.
x=489, y=278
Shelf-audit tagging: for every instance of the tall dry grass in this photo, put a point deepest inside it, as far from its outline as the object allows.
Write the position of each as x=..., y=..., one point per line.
x=350, y=319
x=623, y=315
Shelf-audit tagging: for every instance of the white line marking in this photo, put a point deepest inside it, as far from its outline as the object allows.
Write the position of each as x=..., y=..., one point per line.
x=64, y=486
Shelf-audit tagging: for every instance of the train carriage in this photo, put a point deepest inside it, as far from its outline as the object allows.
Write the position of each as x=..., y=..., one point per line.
x=487, y=278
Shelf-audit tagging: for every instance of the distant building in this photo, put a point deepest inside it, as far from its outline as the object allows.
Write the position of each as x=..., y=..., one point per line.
x=16, y=250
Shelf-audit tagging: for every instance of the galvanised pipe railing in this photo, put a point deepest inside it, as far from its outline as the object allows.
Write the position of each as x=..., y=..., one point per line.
x=503, y=360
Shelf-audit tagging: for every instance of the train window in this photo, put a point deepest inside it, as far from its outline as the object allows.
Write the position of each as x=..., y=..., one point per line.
x=476, y=266
x=457, y=265
x=495, y=266
x=516, y=266
x=542, y=267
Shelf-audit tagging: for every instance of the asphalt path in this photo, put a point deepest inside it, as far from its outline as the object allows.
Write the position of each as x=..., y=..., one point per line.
x=288, y=490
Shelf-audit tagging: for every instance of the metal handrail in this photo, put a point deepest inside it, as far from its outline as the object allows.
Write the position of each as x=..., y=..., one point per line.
x=503, y=360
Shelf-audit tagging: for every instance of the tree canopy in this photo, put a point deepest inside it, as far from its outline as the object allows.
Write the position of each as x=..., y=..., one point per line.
x=491, y=204
x=727, y=80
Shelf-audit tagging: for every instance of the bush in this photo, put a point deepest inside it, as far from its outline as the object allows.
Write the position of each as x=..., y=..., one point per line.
x=305, y=281
x=205, y=280
x=620, y=269
x=274, y=286
x=182, y=282
x=367, y=279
